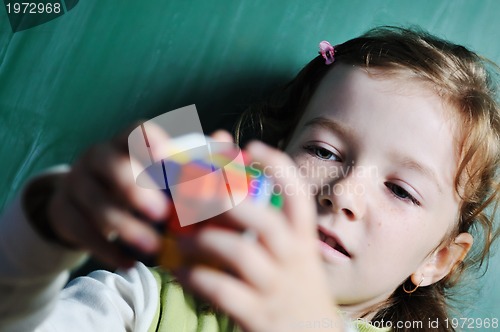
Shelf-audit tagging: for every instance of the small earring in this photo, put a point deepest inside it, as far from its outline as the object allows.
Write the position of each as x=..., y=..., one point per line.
x=414, y=289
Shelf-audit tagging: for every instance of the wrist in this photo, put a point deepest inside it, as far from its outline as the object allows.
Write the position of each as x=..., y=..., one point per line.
x=36, y=201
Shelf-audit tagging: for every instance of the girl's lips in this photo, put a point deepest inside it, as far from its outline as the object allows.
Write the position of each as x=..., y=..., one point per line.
x=330, y=254
x=331, y=246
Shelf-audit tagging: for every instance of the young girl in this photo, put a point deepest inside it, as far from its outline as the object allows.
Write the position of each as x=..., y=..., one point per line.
x=395, y=142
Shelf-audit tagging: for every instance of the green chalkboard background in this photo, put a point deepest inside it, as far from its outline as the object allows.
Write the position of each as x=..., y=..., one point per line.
x=83, y=76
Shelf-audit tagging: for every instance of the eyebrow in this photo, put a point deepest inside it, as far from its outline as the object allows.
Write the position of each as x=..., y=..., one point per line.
x=331, y=125
x=412, y=164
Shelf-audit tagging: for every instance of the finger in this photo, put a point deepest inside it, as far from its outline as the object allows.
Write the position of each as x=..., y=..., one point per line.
x=148, y=144
x=121, y=140
x=74, y=228
x=225, y=291
x=298, y=205
x=222, y=136
x=268, y=223
x=114, y=171
x=133, y=231
x=156, y=139
x=107, y=216
x=229, y=249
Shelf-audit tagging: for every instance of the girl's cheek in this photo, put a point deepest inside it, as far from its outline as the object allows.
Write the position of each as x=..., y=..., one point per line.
x=296, y=154
x=317, y=175
x=305, y=168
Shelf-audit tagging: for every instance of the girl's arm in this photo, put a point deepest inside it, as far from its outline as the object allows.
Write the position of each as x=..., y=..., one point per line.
x=59, y=216
x=33, y=271
x=74, y=210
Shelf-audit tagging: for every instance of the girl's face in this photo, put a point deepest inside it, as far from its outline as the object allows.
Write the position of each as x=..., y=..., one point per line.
x=379, y=154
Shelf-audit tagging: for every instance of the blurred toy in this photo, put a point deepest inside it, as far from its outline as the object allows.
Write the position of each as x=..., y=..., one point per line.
x=240, y=180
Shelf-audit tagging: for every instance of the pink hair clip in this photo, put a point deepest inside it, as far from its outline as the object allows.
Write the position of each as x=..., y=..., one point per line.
x=327, y=51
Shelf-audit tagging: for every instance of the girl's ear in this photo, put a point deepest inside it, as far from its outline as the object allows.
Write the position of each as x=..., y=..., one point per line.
x=439, y=264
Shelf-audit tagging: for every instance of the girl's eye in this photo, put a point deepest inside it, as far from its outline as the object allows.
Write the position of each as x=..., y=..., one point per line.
x=321, y=153
x=401, y=193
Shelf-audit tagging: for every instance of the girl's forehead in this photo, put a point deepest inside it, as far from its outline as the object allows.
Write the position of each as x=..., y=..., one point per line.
x=343, y=81
x=350, y=92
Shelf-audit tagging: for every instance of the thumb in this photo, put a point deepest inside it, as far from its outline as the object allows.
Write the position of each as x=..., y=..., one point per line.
x=222, y=136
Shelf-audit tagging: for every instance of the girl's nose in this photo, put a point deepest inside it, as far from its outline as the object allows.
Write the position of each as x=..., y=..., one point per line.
x=346, y=196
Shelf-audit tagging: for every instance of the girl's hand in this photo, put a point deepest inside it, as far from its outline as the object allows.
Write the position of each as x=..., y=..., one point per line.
x=278, y=282
x=98, y=201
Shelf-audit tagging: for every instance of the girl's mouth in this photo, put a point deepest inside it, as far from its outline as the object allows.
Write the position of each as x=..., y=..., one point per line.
x=333, y=243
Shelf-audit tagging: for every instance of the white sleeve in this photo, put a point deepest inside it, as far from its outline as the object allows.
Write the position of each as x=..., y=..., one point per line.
x=105, y=301
x=33, y=272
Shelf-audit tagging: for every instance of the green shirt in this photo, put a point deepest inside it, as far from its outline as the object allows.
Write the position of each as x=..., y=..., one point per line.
x=179, y=311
